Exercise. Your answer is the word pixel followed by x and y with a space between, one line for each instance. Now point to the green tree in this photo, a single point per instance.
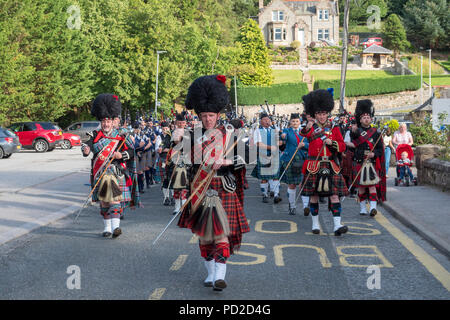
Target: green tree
pixel 427 23
pixel 395 34
pixel 396 6
pixel 254 53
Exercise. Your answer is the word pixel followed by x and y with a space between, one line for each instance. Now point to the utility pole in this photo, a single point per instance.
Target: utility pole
pixel 344 55
pixel 157 74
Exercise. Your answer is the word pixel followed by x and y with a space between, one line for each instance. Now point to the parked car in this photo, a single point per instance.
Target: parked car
pixel 83 127
pixel 371 41
pixel 9 143
pixel 40 136
pixel 70 140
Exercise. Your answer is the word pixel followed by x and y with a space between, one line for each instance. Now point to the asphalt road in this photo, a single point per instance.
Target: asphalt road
pixel 280 259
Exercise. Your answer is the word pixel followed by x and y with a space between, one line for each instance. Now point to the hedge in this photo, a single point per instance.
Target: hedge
pixel 282 93
pixel 366 87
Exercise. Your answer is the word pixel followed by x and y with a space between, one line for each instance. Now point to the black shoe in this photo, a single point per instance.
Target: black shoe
pixel 117 232
pixel 122 217
pixel 306 212
pixel 341 230
pixel 106 234
pixel 166 202
pixel 265 199
pixel 292 211
pixel 219 285
pixel 373 212
pixel 208 284
pixel 271 194
pixel 172 202
pixel 316 231
pixel 277 199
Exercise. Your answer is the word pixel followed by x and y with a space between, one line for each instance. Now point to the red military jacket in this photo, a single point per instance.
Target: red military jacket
pixel 316 136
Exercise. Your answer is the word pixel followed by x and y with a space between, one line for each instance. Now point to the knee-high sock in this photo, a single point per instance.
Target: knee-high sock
pixel 208 251
pixel 275 187
pixel 264 188
pixel 373 200
pixel 222 252
pixel 314 208
pixel 291 196
pixel 305 201
pixel 336 209
pixel 362 207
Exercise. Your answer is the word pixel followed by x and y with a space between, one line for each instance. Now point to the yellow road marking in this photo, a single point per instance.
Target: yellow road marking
pixel 431 264
pixel 157 294
pixel 260 258
pixel 194 239
pixel 278 252
pixel 179 262
pixel 377 253
pixel 292 226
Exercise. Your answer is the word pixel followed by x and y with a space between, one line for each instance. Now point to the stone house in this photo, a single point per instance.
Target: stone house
pixel 283 21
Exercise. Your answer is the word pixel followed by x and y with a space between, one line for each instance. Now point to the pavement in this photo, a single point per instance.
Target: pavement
pixel 424 209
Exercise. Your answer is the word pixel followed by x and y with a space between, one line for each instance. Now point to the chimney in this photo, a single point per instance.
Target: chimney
pixel 261 5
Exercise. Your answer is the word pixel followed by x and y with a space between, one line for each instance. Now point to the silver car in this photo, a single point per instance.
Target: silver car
pixel 83 127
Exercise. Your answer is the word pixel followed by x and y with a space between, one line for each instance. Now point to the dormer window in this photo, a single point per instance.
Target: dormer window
pixel 277 15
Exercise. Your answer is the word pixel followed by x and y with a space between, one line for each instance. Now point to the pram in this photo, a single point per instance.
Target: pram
pixel 408 176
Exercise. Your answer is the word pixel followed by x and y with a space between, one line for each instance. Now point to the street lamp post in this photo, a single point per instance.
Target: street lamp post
pixel 157 74
pixel 421 78
pixel 429 72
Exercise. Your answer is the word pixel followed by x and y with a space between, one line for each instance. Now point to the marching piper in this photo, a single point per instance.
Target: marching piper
pixel 369 164
pixel 215 212
pixel 321 171
pixel 111 182
pixel 267 168
pixel 292 161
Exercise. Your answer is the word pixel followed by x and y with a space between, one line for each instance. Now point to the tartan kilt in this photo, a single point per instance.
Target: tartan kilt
pixel 159 171
pixel 338 185
pixel 291 176
pixel 347 166
pixel 275 174
pixel 126 193
pixel 235 213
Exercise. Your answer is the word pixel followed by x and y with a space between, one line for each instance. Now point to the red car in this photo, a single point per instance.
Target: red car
pixel 40 136
pixel 70 140
pixel 371 41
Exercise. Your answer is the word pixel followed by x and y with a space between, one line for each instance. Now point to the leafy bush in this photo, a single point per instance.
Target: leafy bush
pixel 282 93
pixel 295 44
pixel 423 133
pixel 369 86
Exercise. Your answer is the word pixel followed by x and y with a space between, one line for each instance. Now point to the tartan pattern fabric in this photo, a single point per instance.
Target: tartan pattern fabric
pixel 159 169
pixel 338 186
pixel 180 194
pixel 292 176
pixel 274 174
pixel 207 251
pixel 126 192
pixel 222 252
pixel 235 214
pixel 241 184
pixel 347 166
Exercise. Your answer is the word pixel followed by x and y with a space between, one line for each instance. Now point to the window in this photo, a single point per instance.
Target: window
pixel 323 34
pixel 323 15
pixel 278 34
pixel 277 15
pixel 29 127
pixel 16 127
pixel 47 125
pixel 91 124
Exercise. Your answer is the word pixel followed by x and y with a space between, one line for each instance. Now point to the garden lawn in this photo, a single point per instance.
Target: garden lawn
pixel 287 76
pixel 443 80
pixel 351 74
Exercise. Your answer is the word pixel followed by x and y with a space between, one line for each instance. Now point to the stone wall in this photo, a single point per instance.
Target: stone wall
pixel 381 102
pixel 431 170
pixel 401 69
